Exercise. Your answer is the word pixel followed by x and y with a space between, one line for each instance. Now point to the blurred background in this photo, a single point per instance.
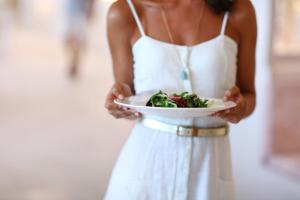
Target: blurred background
pixel 58 143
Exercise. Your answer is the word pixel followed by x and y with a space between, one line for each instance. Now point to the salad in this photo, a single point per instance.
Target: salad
pixel 183 100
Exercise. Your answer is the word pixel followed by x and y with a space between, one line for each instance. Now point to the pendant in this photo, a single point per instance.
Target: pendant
pixel 184 75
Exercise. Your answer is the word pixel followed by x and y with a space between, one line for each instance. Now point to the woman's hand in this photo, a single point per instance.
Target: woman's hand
pixel 119 90
pixel 233 115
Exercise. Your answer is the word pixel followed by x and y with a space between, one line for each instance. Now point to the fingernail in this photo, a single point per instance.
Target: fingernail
pixel 121 96
pixel 137 114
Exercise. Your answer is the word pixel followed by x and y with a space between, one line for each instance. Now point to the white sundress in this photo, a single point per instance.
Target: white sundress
pixel 156 165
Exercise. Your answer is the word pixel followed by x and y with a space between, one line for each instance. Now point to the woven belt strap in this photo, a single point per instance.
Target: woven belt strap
pixel 184 130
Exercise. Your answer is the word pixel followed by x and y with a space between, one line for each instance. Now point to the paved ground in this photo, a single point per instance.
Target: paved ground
pixel 58 143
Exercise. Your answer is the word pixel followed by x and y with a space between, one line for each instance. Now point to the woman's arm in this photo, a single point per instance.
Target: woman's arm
pixel 119 32
pixel 120 29
pixel 243 20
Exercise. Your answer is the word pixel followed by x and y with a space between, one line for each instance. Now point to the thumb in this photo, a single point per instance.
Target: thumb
pixel 125 90
pixel 232 93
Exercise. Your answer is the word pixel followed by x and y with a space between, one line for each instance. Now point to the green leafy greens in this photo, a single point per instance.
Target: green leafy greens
pixel 182 100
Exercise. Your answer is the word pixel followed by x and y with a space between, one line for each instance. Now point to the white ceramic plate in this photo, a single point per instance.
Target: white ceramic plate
pixel 137 103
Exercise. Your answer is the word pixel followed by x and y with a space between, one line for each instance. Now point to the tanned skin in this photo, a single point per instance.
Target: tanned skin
pixel 182 14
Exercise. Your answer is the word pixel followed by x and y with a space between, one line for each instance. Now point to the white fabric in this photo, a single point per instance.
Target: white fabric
pixel 158 166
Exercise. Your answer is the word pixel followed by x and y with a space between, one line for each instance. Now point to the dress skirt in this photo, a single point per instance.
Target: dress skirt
pixel 156 165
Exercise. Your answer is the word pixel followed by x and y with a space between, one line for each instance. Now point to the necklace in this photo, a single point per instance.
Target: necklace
pixel 185 75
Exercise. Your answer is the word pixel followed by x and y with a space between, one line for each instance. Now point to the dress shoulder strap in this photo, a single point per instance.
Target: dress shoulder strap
pixel 224 23
pixel 136 17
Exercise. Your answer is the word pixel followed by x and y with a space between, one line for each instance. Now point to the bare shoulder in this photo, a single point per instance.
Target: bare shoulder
pixel 243 15
pixel 119 15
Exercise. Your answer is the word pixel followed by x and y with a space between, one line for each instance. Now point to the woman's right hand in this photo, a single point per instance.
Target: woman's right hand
pixel 120 90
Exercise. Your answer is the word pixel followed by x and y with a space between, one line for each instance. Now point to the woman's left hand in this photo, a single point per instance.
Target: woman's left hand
pixel 233 115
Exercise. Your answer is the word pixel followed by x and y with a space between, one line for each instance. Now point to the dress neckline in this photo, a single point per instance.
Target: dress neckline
pixel 184 46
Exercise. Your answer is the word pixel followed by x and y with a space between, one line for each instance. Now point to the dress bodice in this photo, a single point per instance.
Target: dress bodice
pixel 212 64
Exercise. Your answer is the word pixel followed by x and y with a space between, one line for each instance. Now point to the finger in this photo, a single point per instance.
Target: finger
pixel 231 93
pixel 225 113
pixel 124 108
pixel 233 116
pixel 232 119
pixel 132 112
pixel 111 105
pixel 119 113
pixel 226 117
pixel 117 92
pixel 216 114
pixel 239 100
pixel 219 113
pixel 127 109
pixel 137 114
pixel 234 91
pixel 133 117
pixel 111 96
pixel 125 90
pixel 129 115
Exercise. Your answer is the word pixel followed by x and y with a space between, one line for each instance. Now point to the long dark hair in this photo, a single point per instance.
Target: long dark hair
pixel 219 6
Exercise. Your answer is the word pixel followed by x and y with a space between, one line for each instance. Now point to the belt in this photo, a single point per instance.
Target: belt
pixel 185 130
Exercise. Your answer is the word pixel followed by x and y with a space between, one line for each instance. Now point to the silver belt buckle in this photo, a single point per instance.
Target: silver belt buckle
pixel 186 131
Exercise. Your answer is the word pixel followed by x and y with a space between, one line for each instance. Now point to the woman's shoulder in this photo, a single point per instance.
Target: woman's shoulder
pixel 119 12
pixel 242 14
pixel 242 11
pixel 120 19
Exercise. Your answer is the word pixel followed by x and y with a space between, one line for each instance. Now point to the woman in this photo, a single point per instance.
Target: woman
pixel 152 42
